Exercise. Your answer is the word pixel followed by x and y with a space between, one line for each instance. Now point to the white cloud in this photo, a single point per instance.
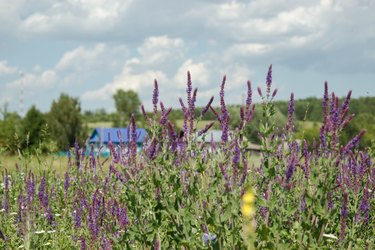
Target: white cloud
pixel 126 44
pixel 156 50
pixel 73 15
pixel 155 55
pixel 88 58
pixel 45 79
pixel 249 49
pixel 199 71
pixel 127 80
pixel 5 69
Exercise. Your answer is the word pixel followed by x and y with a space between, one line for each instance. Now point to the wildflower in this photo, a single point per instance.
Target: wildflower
pixel 205 109
pixel 248 208
pixel 66 182
pixel 189 88
pixel 274 93
pixel 83 243
pixel 157 245
pixel 6 202
pixel 344 214
pixel 325 103
pixel 289 125
pixel 235 162
pixel 249 96
pixel 164 116
pixel 305 154
pixel 224 119
pixel 155 96
pixel 330 201
pixel 207 127
pixel 192 109
pixel 41 189
pixel 30 186
pixel 208 237
pixel 354 142
pixel 323 141
pixel 269 81
pixel 226 176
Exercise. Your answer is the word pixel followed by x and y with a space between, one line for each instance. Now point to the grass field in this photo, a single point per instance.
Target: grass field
pixel 59 164
pixel 200 125
pixel 92 125
pixel 55 163
pixel 309 124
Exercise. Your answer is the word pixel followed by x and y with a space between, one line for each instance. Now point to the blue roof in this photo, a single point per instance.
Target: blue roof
pixel 104 134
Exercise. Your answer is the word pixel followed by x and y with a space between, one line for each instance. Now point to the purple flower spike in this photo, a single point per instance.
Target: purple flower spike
pixel 30 188
pixel 306 162
pixel 226 177
pixel 269 81
pixel 290 168
pixel 6 202
pixel 325 104
pixel 216 114
pixel 189 88
pixel 274 93
pixel 289 126
pixel 235 162
pixel 249 95
pixel 42 187
pixel 347 120
pixel 157 244
pixel 66 182
pixel 145 115
pixel 345 104
pixel 162 107
pixel 83 243
pixel 155 96
pixel 205 109
pixel 260 92
pixel 164 116
pixel 224 120
pixel 344 214
pixel 354 142
pixel 323 140
pixel 133 142
pixel 203 131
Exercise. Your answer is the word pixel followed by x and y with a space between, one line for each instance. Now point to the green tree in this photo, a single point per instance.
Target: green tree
pixel 127 103
pixel 65 121
pixel 32 126
pixel 9 130
pixel 361 121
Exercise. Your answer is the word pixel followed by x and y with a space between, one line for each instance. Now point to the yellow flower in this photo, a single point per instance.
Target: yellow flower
pixel 248 210
pixel 248 197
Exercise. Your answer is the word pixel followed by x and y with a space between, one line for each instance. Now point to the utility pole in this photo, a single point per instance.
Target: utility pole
pixel 21 97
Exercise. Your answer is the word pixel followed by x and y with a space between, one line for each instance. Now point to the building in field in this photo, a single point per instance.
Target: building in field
pixel 215 136
pixel 100 138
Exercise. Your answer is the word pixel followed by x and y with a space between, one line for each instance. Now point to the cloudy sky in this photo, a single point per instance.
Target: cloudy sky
pixel 90 48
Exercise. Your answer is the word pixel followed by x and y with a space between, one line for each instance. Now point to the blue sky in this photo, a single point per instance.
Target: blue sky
pixel 90 48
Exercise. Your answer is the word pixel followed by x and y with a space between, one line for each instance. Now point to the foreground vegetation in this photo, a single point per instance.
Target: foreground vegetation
pixel 181 193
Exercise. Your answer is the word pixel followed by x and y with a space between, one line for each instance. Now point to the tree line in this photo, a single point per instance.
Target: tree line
pixel 66 123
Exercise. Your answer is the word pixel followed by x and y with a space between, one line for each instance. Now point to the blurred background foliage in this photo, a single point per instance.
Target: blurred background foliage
pixel 65 122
